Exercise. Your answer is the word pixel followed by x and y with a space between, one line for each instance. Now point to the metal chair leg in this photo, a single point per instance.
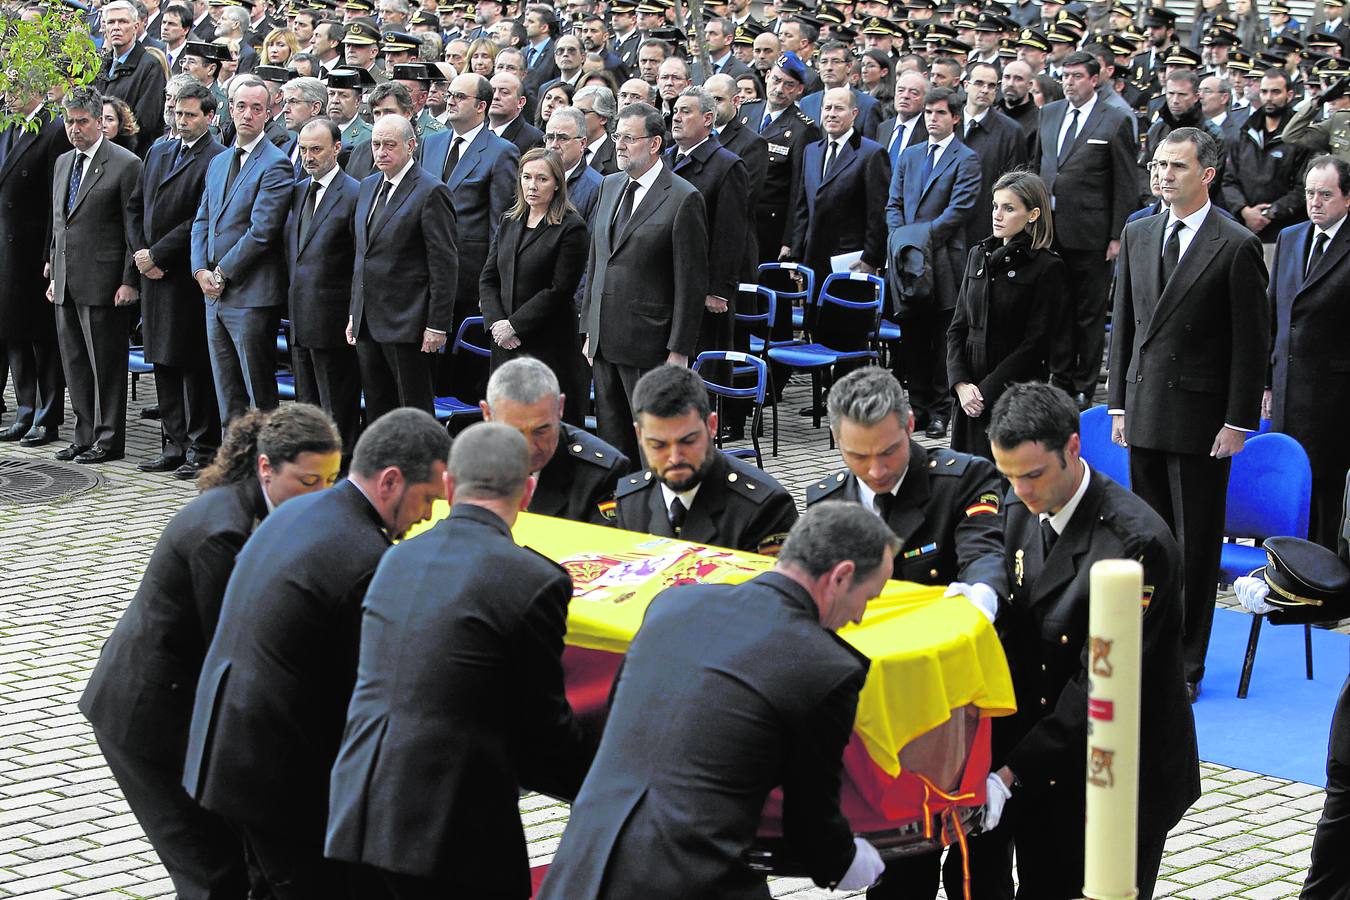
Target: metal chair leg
pixel 1307 648
pixel 1250 658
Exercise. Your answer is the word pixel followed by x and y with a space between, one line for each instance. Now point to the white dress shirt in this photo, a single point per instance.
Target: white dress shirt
pixel 1060 520
pixel 942 146
pixel 1192 222
pixel 645 182
pixel 1083 112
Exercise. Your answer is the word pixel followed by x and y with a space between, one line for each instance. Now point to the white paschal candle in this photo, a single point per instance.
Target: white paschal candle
pixel 1115 627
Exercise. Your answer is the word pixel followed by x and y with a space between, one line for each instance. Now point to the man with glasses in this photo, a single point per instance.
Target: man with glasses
pixel 597 105
pixel 834 65
pixel 569 56
pixel 566 137
pixel 635 90
pixel 996 139
pixel 645 286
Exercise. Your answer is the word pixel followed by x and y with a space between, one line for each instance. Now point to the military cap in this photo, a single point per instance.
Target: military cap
pixel 1007 48
pixel 1239 59
pixel 1134 35
pixel 946 8
pixel 362 6
pixel 1340 3
pixel 274 74
pixel 1301 573
pixel 1320 40
pixel 806 19
pixel 845 33
pixel 1224 23
pixel 1338 89
pixel 246 5
pixel 361 34
pixel 624 7
pixel 1123 9
pixel 1060 35
pixel 1119 47
pixel 989 22
pixel 1068 16
pixel 966 21
pixel 397 41
pixel 1333 66
pixel 1055 3
pixel 792 65
pixel 207 51
pixel 920 4
pixel 1266 61
pixel 996 8
pixel 352 79
pixel 651 7
pixel 1033 39
pixel 1159 17
pixel 832 15
pixel 1284 44
pixel 949 44
pixel 440 70
pixel 937 29
pixel 426 19
pixel 1177 55
pixel 746 33
pixel 1279 6
pixel 670 34
pixel 883 27
pixel 1218 37
pixel 413 72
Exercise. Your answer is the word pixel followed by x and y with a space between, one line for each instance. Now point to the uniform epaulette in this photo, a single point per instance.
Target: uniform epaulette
pixel 631 484
pixel 819 490
pixel 947 462
pixel 748 484
pixel 590 451
pixel 804 117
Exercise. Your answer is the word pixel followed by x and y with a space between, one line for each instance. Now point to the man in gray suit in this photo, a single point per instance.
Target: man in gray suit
pixel 237 255
pixel 93 277
pixel 647 276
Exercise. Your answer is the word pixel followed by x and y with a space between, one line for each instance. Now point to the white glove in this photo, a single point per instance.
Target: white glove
pixel 982 595
pixel 1251 593
pixel 996 793
pixel 865 869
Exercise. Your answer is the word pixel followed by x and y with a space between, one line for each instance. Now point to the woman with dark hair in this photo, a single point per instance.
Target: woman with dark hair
pixel 558 95
pixel 1252 26
pixel 119 123
pixel 749 87
pixel 1045 89
pixel 1007 312
pixel 534 264
pixel 139 699
pixel 876 76
pixel 1202 19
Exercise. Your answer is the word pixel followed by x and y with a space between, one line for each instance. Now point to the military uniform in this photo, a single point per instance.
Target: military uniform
pixel 1331 135
pixel 737 506
pixel 787 137
pixel 628 50
pixel 428 124
pixel 578 482
pixel 947 513
pixel 356 134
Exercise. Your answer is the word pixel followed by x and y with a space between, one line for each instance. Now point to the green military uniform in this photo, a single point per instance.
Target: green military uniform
pixel 428 124
pixel 578 482
pixel 1331 135
pixel 357 132
pixel 737 506
pixel 947 512
pixel 224 122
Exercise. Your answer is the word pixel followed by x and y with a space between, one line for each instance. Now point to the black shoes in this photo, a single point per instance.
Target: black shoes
pixel 97 454
pixel 15 432
pixel 937 428
pixel 70 452
pixel 149 412
pixel 188 470
pixel 37 437
pixel 165 462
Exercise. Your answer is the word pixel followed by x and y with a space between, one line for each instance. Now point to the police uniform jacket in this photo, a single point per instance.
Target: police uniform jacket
pixel 946 513
pixel 1044 628
pixel 787 137
pixel 578 482
pixel 738 506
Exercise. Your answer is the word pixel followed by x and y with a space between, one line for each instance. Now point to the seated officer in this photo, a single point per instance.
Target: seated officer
pixel 945 508
pixel 576 470
pixel 690 489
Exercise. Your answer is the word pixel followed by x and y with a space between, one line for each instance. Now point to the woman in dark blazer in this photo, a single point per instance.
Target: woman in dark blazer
pixel 1009 310
pixel 534 265
pixel 139 698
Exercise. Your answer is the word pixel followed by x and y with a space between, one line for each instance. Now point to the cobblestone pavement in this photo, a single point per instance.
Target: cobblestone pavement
pixel 68 569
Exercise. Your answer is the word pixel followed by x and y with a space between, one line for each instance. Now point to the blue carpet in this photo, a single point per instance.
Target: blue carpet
pixel 1281 728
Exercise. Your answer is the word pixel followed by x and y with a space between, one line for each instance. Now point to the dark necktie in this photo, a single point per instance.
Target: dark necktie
pixel 452 158
pixel 1069 136
pixel 829 159
pixel 677 514
pixel 679 157
pixel 884 503
pixel 1319 247
pixel 76 176
pixel 377 210
pixel 928 164
pixel 896 145
pixel 1048 537
pixel 1172 252
pixel 625 206
pixel 236 163
pixel 307 210
pixel 764 122
pixel 534 57
pixel 970 123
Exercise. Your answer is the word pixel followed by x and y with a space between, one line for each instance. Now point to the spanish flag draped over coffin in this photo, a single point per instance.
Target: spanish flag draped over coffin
pixel 921 737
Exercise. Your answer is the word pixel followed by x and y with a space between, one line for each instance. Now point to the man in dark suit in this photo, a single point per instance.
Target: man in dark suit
pixel 174 329
pixel 1192 289
pixel 425 788
pixel 1061 519
pixel 93 277
pixel 320 256
pixel 646 279
pixel 727 692
pixel 598 105
pixel 27 321
pixel 403 286
pixel 906 128
pixel 935 185
pixel 276 681
pixel 541 34
pixel 691 490
pixel 838 207
pixel 834 63
pixel 566 136
pixel 131 73
pixel 506 114
pixel 752 149
pixel 576 471
pixel 1087 160
pixel 1309 381
pixel 721 178
pixel 238 259
pixel 786 131
pixel 997 141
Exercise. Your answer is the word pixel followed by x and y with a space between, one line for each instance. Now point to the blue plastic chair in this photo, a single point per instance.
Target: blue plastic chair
pixel 742 364
pixel 782 278
pixel 285 386
pixel 448 409
pixel 1112 460
pixel 137 366
pixel 842 328
pixel 1269 489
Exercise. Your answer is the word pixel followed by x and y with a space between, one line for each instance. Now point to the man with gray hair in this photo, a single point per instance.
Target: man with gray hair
pixel 598 105
pixel 576 471
pixel 424 789
pixel 233 24
pixel 303 99
pixel 727 692
pixel 566 136
pixel 129 72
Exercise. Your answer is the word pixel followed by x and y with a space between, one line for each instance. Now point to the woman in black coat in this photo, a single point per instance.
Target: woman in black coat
pixel 1008 312
pixel 534 265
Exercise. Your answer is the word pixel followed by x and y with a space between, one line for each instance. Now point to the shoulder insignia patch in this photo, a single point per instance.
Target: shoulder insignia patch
pixel 608 509
pixel 771 544
pixel 986 505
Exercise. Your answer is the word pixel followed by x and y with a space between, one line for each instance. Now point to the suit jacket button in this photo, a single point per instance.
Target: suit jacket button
pixel 932 573
pixel 1042 667
pixel 1063 638
pixel 1043 701
pixel 1171 384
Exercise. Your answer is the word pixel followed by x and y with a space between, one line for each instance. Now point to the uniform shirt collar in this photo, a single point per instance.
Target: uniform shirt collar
pixel 1060 520
pixel 867 497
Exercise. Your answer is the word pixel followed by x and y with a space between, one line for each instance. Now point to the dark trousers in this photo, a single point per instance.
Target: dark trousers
pixel 614 384
pixel 291 866
pixel 94 350
pixel 916 877
pixel 243 347
pixel 377 884
pixel 330 377
pixel 1324 521
pixel 1189 491
pixel 1329 871
pixel 1077 362
pixel 202 853
pixel 39 383
pixel 188 410
pixel 394 375
pixel 922 363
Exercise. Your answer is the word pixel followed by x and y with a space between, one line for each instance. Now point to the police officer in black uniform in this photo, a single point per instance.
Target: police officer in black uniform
pixel 576 470
pixel 946 509
pixel 787 130
pixel 691 490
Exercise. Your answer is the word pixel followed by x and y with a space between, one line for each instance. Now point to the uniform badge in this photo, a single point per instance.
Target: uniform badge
pixel 986 505
pixel 771 544
pixel 1019 565
pixel 608 509
pixel 1147 597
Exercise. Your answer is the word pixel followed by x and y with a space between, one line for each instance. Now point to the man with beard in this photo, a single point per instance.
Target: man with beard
pixel 1017 103
pixel 691 490
pixel 1261 183
pixel 1181 109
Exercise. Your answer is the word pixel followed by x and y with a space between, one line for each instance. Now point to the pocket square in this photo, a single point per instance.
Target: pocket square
pixel 1096 141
